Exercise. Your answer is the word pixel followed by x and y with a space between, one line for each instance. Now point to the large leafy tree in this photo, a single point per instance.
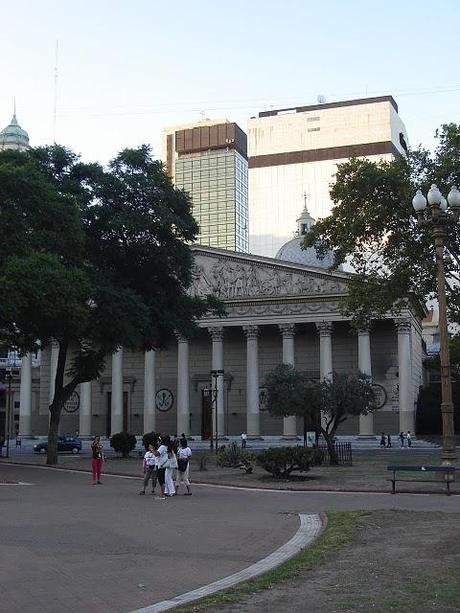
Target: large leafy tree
pixel 92 259
pixel 372 227
pixel 325 405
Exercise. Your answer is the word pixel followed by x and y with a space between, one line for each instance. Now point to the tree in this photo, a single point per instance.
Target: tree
pixel 346 395
pixel 325 404
pixel 372 227
pixel 289 393
pixel 92 259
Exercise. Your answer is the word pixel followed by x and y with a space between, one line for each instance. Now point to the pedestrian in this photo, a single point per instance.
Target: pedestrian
pixel 96 460
pixel 243 440
pixel 162 461
pixel 388 441
pixel 171 467
pixel 383 440
pixel 409 439
pixel 150 468
pixel 183 466
pixel 401 438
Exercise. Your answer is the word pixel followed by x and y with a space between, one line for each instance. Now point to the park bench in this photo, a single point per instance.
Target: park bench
pixel 449 471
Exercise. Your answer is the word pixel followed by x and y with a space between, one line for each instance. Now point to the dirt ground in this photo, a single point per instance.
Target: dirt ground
pixel 368 473
pixel 398 561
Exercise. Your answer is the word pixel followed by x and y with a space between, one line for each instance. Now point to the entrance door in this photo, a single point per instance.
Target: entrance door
pixel 206 416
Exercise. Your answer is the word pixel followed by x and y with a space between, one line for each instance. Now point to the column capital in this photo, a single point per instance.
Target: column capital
pixel 251 331
pixel 403 325
pixel 217 333
pixel 287 330
pixel 364 329
pixel 324 328
pixel 181 338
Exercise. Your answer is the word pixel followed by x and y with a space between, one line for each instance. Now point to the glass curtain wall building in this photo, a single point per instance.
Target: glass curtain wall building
pixel 209 162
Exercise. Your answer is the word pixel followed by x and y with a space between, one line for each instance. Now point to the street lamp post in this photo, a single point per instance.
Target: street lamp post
pixel 214 393
pixel 437 219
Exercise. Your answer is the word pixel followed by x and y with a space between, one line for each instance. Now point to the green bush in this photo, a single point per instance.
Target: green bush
pixel 281 462
pixel 123 442
pixel 233 456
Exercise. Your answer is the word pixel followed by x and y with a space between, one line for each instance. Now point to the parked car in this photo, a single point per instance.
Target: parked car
pixel 65 443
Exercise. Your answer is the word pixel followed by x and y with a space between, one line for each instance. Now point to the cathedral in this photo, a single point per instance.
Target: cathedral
pixel 279 310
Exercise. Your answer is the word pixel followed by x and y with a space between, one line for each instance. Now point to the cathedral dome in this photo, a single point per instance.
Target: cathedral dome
pixel 14 137
pixel 293 252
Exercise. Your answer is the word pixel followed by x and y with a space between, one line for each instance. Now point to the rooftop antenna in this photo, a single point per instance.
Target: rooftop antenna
pixel 56 56
pixel 202 115
pixel 14 107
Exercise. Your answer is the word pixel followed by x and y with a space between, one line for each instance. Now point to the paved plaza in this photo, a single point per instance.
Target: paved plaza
pixel 67 546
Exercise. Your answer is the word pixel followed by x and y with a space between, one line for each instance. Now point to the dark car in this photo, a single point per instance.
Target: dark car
pixel 65 443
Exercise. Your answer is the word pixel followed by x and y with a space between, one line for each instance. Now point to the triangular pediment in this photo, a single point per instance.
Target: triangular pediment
pixel 237 276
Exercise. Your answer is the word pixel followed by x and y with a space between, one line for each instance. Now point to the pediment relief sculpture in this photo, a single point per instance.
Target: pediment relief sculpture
pixel 230 280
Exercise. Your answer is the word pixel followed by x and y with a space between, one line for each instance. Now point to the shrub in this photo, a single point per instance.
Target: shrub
pixel 149 437
pixel 281 462
pixel 233 457
pixel 123 442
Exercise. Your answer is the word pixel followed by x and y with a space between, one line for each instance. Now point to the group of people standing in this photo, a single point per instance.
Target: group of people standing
pixel 167 463
pixel 385 439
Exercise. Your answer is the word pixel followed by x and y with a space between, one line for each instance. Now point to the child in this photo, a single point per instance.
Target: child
pixel 150 468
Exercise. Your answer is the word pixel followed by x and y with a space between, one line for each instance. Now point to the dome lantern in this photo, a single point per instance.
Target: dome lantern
pixel 13 136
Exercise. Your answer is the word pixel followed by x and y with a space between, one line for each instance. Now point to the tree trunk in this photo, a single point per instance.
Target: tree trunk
pixel 333 458
pixel 305 431
pixel 53 430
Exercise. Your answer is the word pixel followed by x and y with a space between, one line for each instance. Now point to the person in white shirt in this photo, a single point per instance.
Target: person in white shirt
pixel 150 468
pixel 171 467
pixel 162 462
pixel 244 439
pixel 184 455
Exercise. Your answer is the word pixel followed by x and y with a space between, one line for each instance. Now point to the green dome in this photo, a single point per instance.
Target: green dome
pixel 13 136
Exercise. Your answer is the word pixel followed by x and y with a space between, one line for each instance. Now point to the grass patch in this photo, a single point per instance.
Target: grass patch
pixel 339 532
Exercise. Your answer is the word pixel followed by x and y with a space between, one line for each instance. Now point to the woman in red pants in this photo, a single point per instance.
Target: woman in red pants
pixel 96 461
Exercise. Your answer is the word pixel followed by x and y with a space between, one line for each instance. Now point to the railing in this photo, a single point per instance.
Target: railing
pixel 343 452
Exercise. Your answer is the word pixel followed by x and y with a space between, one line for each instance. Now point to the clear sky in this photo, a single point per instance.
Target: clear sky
pixel 128 68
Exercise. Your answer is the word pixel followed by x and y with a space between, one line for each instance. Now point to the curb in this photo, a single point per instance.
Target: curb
pixel 310 527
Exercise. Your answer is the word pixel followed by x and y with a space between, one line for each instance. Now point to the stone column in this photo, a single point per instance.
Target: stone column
pixel 366 422
pixel 325 350
pixel 325 355
pixel 183 386
pixel 406 408
pixel 288 333
pixel 217 363
pixel 84 425
pixel 252 381
pixel 149 391
pixel 25 397
pixel 54 355
pixel 117 392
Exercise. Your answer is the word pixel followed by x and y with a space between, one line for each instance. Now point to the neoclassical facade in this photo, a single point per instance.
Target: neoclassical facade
pixel 277 311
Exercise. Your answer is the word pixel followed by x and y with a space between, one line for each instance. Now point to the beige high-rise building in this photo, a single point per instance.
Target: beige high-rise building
pixel 294 152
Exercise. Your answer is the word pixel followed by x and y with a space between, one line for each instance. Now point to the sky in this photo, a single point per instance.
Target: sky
pixel 127 69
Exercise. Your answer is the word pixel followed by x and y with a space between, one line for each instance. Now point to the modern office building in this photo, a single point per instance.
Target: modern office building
pixel 295 151
pixel 209 161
